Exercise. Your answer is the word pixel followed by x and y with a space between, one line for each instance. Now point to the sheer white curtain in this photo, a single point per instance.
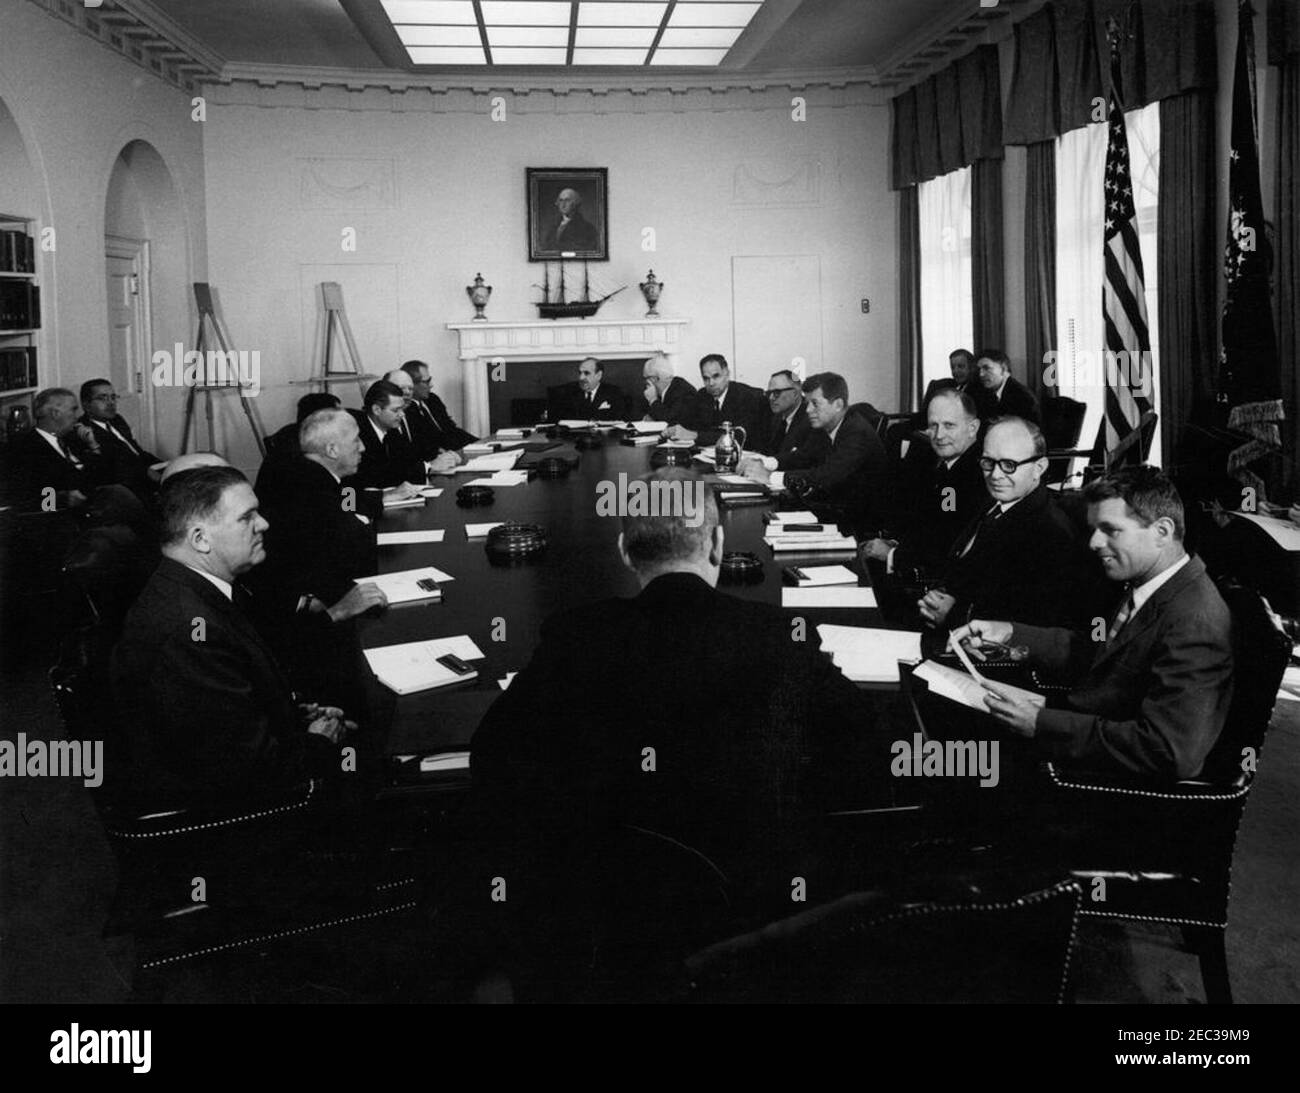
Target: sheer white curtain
pixel 1080 211
pixel 947 317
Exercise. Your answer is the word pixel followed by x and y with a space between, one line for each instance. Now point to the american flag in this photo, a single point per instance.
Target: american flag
pixel 1123 291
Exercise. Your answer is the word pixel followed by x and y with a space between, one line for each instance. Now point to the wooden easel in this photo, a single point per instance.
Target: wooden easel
pixel 203 298
pixel 334 329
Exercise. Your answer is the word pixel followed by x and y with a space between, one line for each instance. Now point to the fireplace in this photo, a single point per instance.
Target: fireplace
pixel 497 353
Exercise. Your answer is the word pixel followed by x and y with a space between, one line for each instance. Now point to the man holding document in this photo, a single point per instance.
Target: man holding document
pixel 1156 685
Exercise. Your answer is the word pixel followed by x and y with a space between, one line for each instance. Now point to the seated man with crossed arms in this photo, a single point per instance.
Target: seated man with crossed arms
pixel 1154 693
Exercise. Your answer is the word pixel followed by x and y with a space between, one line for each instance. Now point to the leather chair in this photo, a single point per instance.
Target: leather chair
pixel 968 939
pixel 1062 425
pixel 109 567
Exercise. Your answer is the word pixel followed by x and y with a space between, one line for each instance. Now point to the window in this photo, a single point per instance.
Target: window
pixel 947 310
pixel 1080 212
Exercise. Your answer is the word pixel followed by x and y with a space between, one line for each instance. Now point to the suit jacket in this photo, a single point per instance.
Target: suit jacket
pixel 848 472
pixel 450 436
pixel 1155 697
pixel 208 713
pixel 385 463
pixel 742 748
pixel 934 507
pixel 673 407
pixel 579 235
pixel 1016 401
pixel 126 464
pixel 1026 566
pixel 796 435
pixel 569 402
pixel 741 405
pixel 34 466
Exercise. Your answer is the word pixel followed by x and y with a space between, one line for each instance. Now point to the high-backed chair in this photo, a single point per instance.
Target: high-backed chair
pixel 1062 426
pixel 967 939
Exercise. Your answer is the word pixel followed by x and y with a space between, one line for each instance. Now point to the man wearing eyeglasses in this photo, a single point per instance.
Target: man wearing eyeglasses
pixel 1020 558
pixel 124 460
pixel 788 427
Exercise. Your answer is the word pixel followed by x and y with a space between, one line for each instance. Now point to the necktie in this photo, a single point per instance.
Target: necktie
pixel 987 519
pixel 131 447
pixel 67 454
pixel 1122 616
pixel 778 434
pixel 589 398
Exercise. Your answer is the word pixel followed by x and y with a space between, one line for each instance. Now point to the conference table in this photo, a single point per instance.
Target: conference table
pixel 502 607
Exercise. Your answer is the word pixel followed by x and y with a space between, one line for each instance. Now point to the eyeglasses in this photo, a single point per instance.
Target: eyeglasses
pixel 103 398
pixel 779 391
pixel 1006 466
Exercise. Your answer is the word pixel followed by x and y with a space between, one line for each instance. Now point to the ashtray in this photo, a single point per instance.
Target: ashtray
pixel 468 497
pixel 553 466
pixel 740 567
pixel 512 542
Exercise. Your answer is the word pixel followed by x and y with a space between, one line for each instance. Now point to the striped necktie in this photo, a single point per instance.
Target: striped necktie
pixel 1125 612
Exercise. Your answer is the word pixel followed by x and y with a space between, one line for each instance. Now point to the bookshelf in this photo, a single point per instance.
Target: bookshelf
pixel 20 315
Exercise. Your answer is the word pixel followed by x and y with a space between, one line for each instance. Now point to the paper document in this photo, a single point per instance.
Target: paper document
pixel 803 516
pixel 479 531
pixel 738 480
pixel 430 491
pixel 835 596
pixel 966 689
pixel 810 542
pixel 394 502
pixel 401 538
pixel 502 478
pixel 655 427
pixel 512 434
pixel 1282 532
pixel 866 654
pixel 491 447
pixel 447 760
pixel 814 576
pixel 506 680
pixel 405 587
pixel 413 666
pixel 578 423
pixel 705 455
pixel 497 461
pixel 776 481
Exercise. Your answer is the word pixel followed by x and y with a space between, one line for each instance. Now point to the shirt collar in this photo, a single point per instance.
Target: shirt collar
pixel 374 425
pixel 50 439
pixel 224 587
pixel 832 433
pixel 1145 591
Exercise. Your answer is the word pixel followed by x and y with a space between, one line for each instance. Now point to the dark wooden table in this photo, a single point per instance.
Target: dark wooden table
pixel 580 565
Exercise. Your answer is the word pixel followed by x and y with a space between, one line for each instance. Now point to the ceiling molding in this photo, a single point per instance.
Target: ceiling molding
pixel 139 32
pixel 770 18
pixel 948 36
pixel 522 80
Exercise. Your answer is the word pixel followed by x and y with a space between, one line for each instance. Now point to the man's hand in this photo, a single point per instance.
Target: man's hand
pixel 680 432
pixel 979 632
pixel 1017 714
pixel 358 600
pixel 753 468
pixel 402 492
pixel 877 549
pixel 332 728
pixel 650 394
pixel 935 605
pixel 86 438
pixel 443 463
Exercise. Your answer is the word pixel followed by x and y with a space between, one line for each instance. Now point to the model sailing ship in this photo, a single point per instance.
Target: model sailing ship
pixel 563 308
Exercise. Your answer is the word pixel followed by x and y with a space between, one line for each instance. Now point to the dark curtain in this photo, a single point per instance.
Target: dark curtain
pixel 1033 112
pixel 1188 260
pixel 909 298
pixel 988 286
pixel 1284 51
pixel 1040 263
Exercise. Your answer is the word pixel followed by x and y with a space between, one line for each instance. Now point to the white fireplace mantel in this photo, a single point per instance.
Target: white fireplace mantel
pixel 486 343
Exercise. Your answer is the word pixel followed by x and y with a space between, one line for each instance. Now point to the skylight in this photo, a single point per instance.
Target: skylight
pixel 569 32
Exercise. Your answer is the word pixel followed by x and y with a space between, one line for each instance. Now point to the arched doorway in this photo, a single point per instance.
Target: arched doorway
pixel 23 365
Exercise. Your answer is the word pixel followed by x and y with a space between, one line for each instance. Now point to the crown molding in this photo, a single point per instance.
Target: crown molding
pixel 143 35
pixel 948 36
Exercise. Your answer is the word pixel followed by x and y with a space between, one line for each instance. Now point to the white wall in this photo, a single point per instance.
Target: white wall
pixel 437 196
pixel 76 105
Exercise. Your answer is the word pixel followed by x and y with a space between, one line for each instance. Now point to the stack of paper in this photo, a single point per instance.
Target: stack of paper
pixel 430 491
pixel 803 516
pixel 502 478
pixel 813 576
pixel 643 439
pixel 835 596
pixel 444 761
pixel 512 434
pixel 491 447
pixel 404 538
pixel 828 538
pixel 393 501
pixel 1282 532
pixel 479 531
pixel 487 464
pixel 653 428
pixel 869 655
pixel 579 423
pixel 409 585
pixel 777 482
pixel 414 666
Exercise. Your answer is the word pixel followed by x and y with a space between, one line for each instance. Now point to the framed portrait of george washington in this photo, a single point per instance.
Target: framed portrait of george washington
pixel 568 213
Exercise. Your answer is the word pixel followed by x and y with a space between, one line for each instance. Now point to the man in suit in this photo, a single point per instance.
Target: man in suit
pixel 571 231
pixel 721 399
pixel 666 397
pixel 388 461
pixel 316 546
pixel 1154 694
pixel 1020 558
pixel 210 717
pixel 418 430
pixel 942 496
pixel 284 441
pixel 788 425
pixel 961 363
pixel 125 461
pixel 733 762
pixel 998 393
pixel 430 409
pixel 590 398
pixel 59 463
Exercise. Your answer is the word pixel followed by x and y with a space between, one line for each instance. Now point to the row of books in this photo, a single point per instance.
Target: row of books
pixel 17 252
pixel 20 305
pixel 17 368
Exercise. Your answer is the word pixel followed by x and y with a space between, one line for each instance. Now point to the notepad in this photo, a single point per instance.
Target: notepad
pixel 413 666
pixel 409 585
pixel 430 491
pixel 810 543
pixel 803 516
pixel 478 531
pixel 654 427
pixel 837 596
pixel 814 576
pixel 402 538
pixel 502 479
pixel 967 689
pixel 867 654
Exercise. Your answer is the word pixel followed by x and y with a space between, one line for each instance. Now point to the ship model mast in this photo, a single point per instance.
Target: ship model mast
pixel 562 308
